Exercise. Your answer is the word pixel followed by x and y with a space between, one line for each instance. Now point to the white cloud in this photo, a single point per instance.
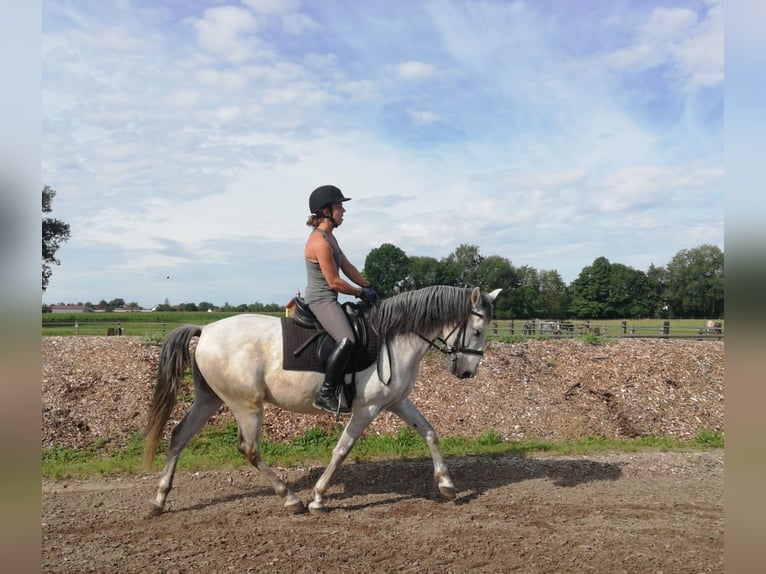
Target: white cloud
pixel 414 70
pixel 299 23
pixel 228 32
pixel 641 186
pixel 701 56
pixel 226 79
pixel 183 98
pixel 669 24
pixel 423 117
pixel 272 6
pixel 545 180
pixel 228 114
pixel 677 37
pixel 287 12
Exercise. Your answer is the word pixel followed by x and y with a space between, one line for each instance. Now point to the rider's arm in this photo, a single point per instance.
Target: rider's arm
pixel 323 252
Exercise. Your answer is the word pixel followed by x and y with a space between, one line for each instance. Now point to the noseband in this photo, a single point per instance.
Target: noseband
pixel 446 349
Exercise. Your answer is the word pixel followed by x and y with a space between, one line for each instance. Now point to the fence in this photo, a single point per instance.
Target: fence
pixel 499 329
pixel 108 328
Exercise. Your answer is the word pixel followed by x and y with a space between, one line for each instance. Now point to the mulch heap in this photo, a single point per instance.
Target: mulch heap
pixel 96 391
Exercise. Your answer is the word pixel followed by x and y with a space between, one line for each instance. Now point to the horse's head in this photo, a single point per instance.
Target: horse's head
pixel 466 341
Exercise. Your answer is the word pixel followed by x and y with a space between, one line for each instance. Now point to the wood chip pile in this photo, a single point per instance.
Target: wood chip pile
pixel 96 391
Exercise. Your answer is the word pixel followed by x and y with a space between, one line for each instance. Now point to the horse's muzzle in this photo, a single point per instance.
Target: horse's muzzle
pixel 466 375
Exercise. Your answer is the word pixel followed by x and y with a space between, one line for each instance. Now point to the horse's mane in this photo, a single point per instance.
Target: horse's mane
pixel 422 310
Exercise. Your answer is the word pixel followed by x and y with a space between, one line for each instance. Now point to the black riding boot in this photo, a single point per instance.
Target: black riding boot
pixel 327 399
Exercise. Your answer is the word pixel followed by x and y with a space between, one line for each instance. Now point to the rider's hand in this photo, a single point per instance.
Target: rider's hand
pixel 369 295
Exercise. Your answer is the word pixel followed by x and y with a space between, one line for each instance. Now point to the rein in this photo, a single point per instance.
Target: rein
pixel 446 349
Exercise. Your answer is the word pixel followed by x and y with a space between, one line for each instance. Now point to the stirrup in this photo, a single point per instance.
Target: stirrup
pixel 341 410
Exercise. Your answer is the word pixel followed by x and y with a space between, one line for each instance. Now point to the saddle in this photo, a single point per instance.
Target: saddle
pixel 306 345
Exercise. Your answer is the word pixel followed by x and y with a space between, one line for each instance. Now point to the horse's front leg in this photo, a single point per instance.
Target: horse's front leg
pixel 409 413
pixel 359 421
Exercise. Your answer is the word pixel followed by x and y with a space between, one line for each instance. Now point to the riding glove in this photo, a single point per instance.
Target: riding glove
pixel 369 295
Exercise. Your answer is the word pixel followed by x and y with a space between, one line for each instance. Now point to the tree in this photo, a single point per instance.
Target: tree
pixel 495 272
pixel 607 290
pixel 387 267
pixel 424 272
pixel 631 294
pixel 695 282
pixel 553 300
pixel 55 232
pixel 590 291
pixel 524 299
pixel 461 267
pixel 658 282
pixel 164 306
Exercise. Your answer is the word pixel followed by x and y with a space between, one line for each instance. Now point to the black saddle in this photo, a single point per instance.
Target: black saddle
pixel 306 318
pixel 306 345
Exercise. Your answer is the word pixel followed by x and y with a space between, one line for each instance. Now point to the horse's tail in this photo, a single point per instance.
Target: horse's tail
pixel 175 358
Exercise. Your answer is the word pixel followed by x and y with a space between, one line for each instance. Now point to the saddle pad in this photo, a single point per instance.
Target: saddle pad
pixel 294 336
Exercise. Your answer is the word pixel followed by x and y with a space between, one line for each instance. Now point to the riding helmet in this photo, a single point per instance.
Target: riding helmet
pixel 323 196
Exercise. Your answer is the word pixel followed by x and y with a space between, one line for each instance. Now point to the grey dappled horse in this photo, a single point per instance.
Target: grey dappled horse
pixel 238 361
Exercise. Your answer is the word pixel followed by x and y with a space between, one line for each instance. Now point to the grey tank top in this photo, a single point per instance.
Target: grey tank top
pixel 317 288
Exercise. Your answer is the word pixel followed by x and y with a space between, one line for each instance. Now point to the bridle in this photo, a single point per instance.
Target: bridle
pixel 446 349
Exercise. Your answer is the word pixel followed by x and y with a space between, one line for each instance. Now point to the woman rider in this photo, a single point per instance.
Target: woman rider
pixel 324 262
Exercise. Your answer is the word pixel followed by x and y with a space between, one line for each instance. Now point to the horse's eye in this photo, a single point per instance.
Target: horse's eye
pixel 476 332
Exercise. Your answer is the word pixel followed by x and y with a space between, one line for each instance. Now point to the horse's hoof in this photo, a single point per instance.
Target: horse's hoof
pixel 154 511
pixel 317 508
pixel 447 492
pixel 295 508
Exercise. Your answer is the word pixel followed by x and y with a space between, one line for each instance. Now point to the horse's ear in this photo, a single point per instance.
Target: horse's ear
pixel 493 295
pixel 475 296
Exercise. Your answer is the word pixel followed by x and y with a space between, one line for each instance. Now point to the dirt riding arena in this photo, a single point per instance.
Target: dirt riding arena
pixel 611 512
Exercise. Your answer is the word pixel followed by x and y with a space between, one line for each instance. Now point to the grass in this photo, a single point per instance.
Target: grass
pixel 154 326
pixel 215 449
pixel 151 326
pixel 604 330
pixel 590 338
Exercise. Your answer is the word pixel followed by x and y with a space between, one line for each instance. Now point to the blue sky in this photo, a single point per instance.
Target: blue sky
pixel 184 137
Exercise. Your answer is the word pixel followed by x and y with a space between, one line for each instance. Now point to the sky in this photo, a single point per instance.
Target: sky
pixel 183 138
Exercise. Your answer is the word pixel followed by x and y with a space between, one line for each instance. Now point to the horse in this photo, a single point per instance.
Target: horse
pixel 238 361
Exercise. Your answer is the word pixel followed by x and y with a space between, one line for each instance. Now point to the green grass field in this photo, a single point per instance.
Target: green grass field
pixel 687 328
pixel 215 448
pixel 152 325
pixel 155 325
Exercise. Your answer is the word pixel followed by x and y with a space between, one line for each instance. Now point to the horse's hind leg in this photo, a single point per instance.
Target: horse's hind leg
pixel 205 405
pixel 249 434
pixel 409 413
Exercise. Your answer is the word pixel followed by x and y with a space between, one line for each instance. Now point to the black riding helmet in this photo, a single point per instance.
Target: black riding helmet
pixel 323 196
